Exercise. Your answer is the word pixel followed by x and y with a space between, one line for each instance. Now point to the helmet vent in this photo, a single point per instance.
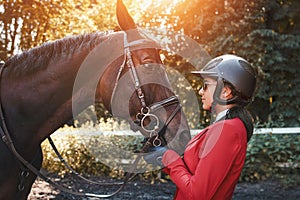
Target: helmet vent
pixel 247 67
pixel 212 64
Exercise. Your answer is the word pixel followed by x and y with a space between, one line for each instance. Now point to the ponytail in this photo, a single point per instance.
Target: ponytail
pixel 245 116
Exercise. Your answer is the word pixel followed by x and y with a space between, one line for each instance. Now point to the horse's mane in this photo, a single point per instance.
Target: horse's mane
pixel 38 58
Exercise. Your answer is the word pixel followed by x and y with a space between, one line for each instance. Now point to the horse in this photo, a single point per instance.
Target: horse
pixel 43 88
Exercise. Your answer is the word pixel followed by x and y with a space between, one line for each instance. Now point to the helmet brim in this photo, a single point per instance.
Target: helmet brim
pixel 205 73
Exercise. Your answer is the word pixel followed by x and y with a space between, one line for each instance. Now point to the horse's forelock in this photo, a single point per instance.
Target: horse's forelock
pixel 35 59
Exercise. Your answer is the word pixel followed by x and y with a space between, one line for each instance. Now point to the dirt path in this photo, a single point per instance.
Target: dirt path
pixel 144 190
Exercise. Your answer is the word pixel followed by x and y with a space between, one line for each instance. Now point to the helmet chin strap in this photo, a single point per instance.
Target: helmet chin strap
pixel 217 93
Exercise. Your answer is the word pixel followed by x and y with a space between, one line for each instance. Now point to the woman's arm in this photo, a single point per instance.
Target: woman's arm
pixel 216 158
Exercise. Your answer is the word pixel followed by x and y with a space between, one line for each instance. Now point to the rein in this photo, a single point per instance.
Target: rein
pixel 145 113
pixel 5 136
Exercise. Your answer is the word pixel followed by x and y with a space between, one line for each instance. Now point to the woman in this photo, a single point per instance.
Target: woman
pixel 214 158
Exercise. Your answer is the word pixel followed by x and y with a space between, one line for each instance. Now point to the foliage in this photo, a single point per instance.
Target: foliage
pixel 92 153
pixel 79 153
pixel 281 67
pixel 26 24
pixel 265 32
pixel 271 48
pixel 270 155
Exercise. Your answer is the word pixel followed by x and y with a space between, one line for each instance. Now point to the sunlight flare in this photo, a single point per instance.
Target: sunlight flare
pixel 145 4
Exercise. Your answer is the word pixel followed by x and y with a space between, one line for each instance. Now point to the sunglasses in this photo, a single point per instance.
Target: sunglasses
pixel 205 85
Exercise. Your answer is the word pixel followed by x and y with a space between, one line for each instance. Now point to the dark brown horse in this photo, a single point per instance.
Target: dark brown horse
pixel 45 87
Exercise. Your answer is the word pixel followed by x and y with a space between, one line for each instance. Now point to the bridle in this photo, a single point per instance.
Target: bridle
pixel 146 113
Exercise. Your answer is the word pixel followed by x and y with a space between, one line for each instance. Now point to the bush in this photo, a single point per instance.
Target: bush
pixel 97 154
pixel 269 155
pixel 90 154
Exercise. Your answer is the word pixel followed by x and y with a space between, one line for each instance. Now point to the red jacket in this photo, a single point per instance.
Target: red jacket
pixel 212 162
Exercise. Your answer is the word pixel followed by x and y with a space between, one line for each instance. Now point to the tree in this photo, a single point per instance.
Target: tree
pixel 278 42
pixel 264 32
pixel 26 24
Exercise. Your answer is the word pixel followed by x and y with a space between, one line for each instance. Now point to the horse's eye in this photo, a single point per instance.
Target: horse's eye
pixel 147 61
pixel 147 65
pixel 150 66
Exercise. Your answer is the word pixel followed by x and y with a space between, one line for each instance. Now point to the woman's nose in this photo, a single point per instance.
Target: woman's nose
pixel 201 91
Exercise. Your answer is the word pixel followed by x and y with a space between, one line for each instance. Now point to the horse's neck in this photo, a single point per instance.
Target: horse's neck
pixel 34 102
pixel 42 102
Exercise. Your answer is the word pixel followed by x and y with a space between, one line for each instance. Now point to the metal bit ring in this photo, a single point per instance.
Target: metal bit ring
pixel 149 116
pixel 156 142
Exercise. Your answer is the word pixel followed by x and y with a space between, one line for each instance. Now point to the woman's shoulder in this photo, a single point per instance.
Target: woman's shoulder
pixel 228 123
pixel 229 127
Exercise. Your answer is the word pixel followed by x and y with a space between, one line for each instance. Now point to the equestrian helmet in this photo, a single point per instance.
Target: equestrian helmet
pixel 234 70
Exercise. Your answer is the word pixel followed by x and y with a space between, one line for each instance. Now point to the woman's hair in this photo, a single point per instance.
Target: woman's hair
pixel 241 99
pixel 245 116
pixel 240 111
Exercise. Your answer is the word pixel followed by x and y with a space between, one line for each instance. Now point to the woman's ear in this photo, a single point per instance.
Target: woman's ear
pixel 226 93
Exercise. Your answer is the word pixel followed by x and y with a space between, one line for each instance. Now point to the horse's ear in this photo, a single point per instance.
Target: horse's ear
pixel 124 19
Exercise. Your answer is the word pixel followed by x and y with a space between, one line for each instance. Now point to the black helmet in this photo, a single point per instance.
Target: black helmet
pixel 234 70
